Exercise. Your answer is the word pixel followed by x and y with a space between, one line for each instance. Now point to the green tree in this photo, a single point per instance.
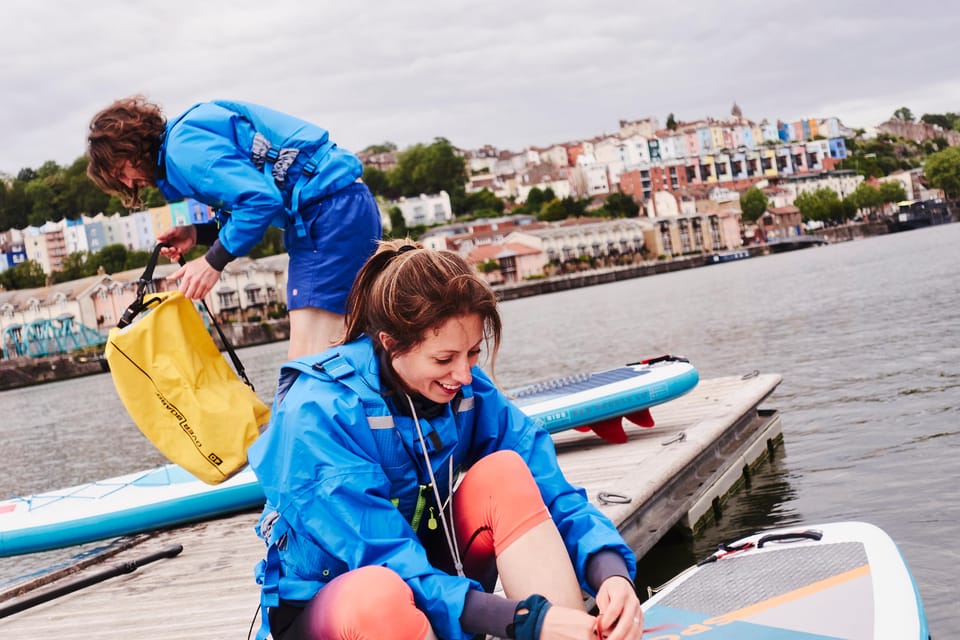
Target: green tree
pixel 271 245
pixel 620 205
pixel 903 113
pixel 941 120
pixel 866 196
pixel 753 202
pixel 74 267
pixel 398 225
pixel 822 204
pixel 384 147
pixel 943 171
pixel 488 266
pixel 483 203
pixel 113 258
pixel 892 192
pixel 561 209
pixel 378 182
pixel 430 169
pixel 26 275
pixel 671 123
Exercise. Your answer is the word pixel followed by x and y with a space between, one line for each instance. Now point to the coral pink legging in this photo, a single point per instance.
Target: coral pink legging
pixel 497 502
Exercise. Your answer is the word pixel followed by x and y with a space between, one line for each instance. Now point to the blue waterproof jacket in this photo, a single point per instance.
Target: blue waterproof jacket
pixel 253 165
pixel 344 491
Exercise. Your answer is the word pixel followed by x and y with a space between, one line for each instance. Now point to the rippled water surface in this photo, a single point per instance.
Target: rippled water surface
pixel 865 335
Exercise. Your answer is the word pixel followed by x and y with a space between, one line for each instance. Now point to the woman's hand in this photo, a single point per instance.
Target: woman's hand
pixel 197 278
pixel 564 623
pixel 181 239
pixel 620 616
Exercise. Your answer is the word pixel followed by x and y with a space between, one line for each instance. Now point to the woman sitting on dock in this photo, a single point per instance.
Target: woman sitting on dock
pixel 401 482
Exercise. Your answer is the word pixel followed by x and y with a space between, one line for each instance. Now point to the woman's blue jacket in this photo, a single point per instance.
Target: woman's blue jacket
pixel 254 166
pixel 343 478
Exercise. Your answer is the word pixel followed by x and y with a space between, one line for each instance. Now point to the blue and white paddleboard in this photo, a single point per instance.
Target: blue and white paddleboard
pixel 841 580
pixel 168 495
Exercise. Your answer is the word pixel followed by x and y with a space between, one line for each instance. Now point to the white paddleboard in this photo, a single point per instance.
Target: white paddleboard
pixel 841 580
pixel 168 495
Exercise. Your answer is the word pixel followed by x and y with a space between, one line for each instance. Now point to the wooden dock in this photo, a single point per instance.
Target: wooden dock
pixel 673 474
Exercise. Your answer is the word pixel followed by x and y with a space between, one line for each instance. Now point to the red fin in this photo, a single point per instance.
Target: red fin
pixel 610 430
pixel 641 418
pixel 584 429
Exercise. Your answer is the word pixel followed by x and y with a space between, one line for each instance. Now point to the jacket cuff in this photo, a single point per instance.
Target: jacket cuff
pixel 605 564
pixel 218 257
pixel 487 613
pixel 207 233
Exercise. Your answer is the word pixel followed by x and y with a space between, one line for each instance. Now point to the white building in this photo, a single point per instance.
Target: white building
pixel 424 210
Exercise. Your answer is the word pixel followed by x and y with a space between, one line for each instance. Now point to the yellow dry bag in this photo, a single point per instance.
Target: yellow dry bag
pixel 179 389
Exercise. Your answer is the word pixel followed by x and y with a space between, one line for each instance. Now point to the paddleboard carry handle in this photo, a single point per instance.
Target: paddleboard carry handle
pixel 664 358
pixel 791 536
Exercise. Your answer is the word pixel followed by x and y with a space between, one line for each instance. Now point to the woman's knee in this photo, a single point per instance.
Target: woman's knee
pixel 369 602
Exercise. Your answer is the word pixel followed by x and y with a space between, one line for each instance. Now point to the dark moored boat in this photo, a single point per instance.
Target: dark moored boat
pixel 919 213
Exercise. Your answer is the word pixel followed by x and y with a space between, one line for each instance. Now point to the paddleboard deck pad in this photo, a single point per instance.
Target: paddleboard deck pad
pixel 840 580
pixel 168 495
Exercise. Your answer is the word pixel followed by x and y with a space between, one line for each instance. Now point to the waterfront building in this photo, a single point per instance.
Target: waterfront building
pixel 507 263
pixel 780 223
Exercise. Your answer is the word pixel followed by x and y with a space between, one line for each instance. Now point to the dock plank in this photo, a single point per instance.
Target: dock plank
pixel 207 592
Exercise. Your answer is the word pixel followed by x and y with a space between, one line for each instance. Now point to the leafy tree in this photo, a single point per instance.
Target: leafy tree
pixel 552 211
pixel 483 202
pixel 903 113
pixel 384 147
pixel 26 275
pixel 430 169
pixel 536 198
pixel 943 171
pixel 271 245
pixel 620 205
pixel 378 182
pixel 866 196
pixel 822 204
pixel 944 120
pixel 16 210
pixel 113 258
pixel 488 266
pixel 74 267
pixel 41 197
pixel 753 202
pixel 671 123
pixel 136 259
pixel 892 192
pixel 561 209
pixel 398 225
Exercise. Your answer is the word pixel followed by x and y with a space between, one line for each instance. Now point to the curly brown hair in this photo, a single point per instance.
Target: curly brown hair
pixel 406 290
pixel 129 130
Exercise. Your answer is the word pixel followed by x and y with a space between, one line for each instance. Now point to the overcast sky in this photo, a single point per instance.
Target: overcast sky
pixel 511 74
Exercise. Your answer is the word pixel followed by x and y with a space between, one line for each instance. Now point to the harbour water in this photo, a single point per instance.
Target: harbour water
pixel 864 333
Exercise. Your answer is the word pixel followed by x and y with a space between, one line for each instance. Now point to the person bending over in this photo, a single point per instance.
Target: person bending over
pixel 255 167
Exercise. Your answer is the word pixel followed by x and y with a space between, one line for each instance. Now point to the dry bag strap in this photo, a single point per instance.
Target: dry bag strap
pixel 226 345
pixel 138 305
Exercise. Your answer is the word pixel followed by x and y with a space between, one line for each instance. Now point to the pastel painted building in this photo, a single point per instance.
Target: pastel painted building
pixel 515 262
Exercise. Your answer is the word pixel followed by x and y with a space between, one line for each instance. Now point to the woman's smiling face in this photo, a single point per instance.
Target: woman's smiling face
pixel 438 366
